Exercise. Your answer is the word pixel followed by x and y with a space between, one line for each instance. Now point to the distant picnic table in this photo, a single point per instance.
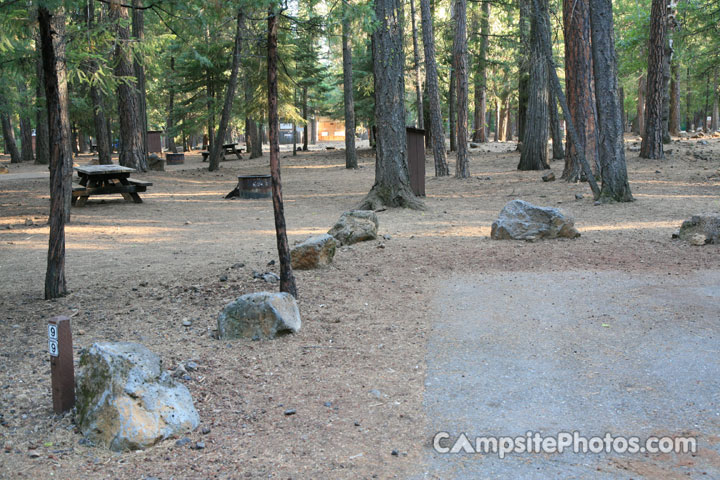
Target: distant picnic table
pixel 228 149
pixel 106 180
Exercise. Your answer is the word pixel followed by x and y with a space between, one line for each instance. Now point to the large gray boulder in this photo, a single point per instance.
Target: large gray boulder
pixel 126 401
pixel 261 315
pixel 314 252
pixel 355 226
pixel 706 225
pixel 520 220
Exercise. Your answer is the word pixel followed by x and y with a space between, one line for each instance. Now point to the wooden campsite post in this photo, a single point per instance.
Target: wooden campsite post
pixel 62 370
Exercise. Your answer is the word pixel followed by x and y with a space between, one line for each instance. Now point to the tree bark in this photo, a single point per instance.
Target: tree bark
pixel 26 149
pixel 60 188
pixel 652 141
pixel 132 148
pixel 462 164
pixel 42 136
pixel 287 280
pixel 543 22
pixel 138 29
pixel 674 121
pixel 580 88
pixel 306 118
pixel 9 136
pixel 350 153
pixel 613 170
pixel 556 132
pixel 437 132
pixel 102 137
pixel 524 25
pixel 533 153
pixel 416 58
pixel 392 179
pixel 480 133
pixel 688 101
pixel 452 105
pixel 639 125
pixel 216 153
pixel 497 120
pixel 715 109
pixel 170 127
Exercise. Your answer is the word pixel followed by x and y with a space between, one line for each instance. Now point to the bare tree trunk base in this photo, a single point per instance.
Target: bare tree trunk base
pixel 380 197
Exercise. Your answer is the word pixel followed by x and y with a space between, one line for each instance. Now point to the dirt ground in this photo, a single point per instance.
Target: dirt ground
pixel 355 372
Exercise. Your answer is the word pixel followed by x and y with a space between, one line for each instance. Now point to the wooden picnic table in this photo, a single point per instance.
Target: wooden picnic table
pixel 107 180
pixel 228 149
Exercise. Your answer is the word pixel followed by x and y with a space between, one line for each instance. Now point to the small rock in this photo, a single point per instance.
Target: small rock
pixel 387 237
pixel 697 239
pixel 314 252
pixel 658 171
pixel 182 442
pixel 34 454
pixel 271 263
pixel 261 315
pixel 376 393
pixel 188 222
pixel 357 424
pixel 597 202
pixel 205 430
pixel 474 145
pixel 290 411
pixel 29 222
pixel 703 142
pixel 394 453
pixel 238 265
pixel 223 278
pixel 199 446
pixel 327 404
pixel 187 322
pixel 579 196
pixel 548 177
pixel 520 220
pixel 355 226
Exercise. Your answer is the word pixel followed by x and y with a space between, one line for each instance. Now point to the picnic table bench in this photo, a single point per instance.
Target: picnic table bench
pixel 228 149
pixel 106 180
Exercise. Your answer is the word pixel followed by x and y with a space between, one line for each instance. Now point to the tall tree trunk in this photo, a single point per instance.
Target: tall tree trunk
pixel 639 125
pixel 26 149
pixel 533 154
pixel 9 135
pixel 674 121
pixel 580 88
pixel 306 118
pixel 462 165
pixel 546 50
pixel 479 135
pixel 497 120
pixel 210 97
pixel 452 105
pixel 350 153
pixel 255 140
pixel 688 101
pixel 102 137
pixel 508 120
pixel 613 169
pixel 42 136
pixel 652 141
pixel 715 110
pixel 217 149
pixel 170 127
pixel 60 158
pixel 392 178
pixel 132 148
pixel 437 132
pixel 556 132
pixel 138 30
pixel 416 58
pixel 287 280
pixel 524 26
